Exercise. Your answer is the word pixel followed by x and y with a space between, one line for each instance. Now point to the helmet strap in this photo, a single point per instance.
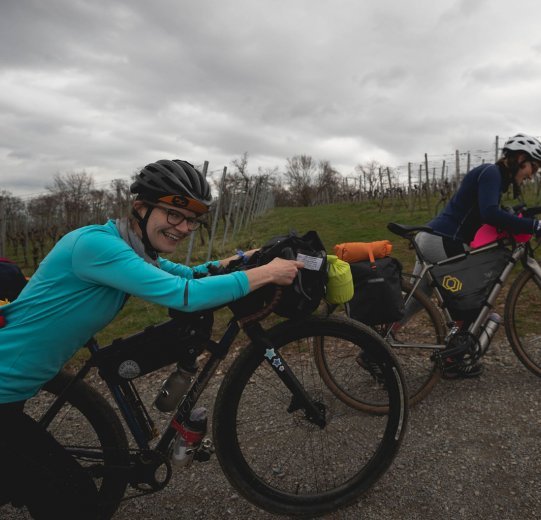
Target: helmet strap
pixel 142 223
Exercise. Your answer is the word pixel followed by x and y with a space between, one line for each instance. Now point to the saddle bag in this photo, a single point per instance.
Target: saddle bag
pixel 378 296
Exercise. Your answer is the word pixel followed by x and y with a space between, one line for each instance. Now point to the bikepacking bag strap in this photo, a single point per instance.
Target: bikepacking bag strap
pixel 378 293
pixel 358 251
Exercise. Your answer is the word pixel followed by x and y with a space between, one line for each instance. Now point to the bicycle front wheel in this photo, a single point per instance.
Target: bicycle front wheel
pixel 274 455
pixel 522 320
pixel 414 341
pixel 89 429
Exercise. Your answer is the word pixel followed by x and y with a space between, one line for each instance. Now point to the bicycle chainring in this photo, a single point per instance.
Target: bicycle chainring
pixel 462 348
pixel 151 471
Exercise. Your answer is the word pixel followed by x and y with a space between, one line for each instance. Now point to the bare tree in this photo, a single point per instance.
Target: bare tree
pixel 240 166
pixel 369 177
pixel 45 210
pixel 328 182
pixel 73 191
pixel 101 204
pixel 122 196
pixel 300 173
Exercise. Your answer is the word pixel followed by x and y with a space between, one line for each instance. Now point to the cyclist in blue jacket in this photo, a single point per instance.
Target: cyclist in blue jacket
pixel 477 202
pixel 77 290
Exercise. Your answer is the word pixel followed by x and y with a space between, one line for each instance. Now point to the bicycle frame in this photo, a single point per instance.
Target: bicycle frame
pixel 520 251
pixel 135 414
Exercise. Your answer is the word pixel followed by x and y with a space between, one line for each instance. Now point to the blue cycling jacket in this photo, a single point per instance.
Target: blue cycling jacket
pixel 78 289
pixel 477 202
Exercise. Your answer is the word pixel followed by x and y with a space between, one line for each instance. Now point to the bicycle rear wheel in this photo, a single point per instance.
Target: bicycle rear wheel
pixel 276 457
pixel 523 320
pixel 412 341
pixel 91 432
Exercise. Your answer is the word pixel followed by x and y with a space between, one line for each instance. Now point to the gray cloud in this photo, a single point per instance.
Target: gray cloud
pixel 108 86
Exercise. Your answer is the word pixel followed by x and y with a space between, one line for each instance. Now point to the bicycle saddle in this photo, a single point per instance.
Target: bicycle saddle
pixel 403 230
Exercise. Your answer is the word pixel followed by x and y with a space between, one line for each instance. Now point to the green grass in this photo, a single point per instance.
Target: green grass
pixel 335 223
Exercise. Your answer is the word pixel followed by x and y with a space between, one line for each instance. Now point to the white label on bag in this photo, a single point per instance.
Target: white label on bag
pixel 313 263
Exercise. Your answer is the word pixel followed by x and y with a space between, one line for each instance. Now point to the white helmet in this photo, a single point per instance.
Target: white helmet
pixel 524 143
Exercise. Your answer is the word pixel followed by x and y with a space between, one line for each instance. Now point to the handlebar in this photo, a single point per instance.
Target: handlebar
pixel 243 308
pixel 531 212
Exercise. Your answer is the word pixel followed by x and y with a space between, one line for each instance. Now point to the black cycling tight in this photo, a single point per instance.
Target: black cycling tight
pixel 39 473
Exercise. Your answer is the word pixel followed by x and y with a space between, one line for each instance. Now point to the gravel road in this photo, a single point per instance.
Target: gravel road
pixel 472 451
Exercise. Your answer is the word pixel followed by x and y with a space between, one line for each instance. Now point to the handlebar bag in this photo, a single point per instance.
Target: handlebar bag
pixel 304 295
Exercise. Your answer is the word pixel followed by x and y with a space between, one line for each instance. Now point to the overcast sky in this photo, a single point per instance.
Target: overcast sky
pixel 107 87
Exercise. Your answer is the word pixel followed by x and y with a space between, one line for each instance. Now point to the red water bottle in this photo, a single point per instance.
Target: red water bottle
pixel 189 436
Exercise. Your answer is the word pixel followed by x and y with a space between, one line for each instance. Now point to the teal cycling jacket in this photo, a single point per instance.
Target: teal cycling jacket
pixel 78 289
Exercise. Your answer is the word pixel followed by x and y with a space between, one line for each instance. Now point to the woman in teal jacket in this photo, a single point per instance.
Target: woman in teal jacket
pixel 78 289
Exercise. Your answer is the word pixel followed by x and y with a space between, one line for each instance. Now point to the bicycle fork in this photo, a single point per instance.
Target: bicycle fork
pixel 300 400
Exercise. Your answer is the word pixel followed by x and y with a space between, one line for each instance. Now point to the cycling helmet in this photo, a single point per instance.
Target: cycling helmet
pixel 524 143
pixel 174 182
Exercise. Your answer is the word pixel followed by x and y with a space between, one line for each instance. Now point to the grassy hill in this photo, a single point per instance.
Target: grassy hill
pixel 335 223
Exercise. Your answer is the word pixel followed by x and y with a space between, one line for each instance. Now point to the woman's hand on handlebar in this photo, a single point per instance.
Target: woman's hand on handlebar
pixel 278 271
pixel 245 254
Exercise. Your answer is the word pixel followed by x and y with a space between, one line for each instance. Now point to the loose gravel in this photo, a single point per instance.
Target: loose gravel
pixel 472 451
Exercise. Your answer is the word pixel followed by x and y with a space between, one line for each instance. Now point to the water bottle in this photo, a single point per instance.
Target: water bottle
pixel 189 437
pixel 490 328
pixel 173 388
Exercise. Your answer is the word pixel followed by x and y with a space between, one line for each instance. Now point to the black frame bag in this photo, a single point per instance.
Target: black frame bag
pixel 466 283
pixel 378 293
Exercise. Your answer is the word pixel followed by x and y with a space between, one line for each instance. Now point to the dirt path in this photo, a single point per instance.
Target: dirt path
pixel 472 451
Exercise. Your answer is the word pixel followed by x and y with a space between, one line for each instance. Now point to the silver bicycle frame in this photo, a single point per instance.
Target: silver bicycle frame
pixel 476 327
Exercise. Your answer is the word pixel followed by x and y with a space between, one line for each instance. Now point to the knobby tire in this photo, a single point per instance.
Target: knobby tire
pixel 523 321
pixel 278 459
pixel 87 421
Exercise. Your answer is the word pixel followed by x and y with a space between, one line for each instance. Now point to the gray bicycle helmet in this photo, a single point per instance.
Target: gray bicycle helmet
pixel 174 182
pixel 524 143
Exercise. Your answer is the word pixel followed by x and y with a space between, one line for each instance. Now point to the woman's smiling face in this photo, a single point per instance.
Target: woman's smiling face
pixel 164 236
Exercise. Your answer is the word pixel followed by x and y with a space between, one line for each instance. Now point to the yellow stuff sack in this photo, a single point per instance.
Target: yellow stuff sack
pixel 339 281
pixel 352 252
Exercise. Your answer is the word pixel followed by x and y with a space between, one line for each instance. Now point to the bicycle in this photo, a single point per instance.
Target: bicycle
pixel 284 440
pixel 426 341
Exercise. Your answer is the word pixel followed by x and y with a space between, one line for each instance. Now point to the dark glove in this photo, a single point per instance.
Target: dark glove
pixel 537 228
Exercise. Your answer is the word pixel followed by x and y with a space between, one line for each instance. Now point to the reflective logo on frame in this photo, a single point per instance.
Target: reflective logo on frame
pixel 129 369
pixel 451 283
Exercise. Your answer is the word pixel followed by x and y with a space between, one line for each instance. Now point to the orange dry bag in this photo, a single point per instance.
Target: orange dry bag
pixel 352 252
